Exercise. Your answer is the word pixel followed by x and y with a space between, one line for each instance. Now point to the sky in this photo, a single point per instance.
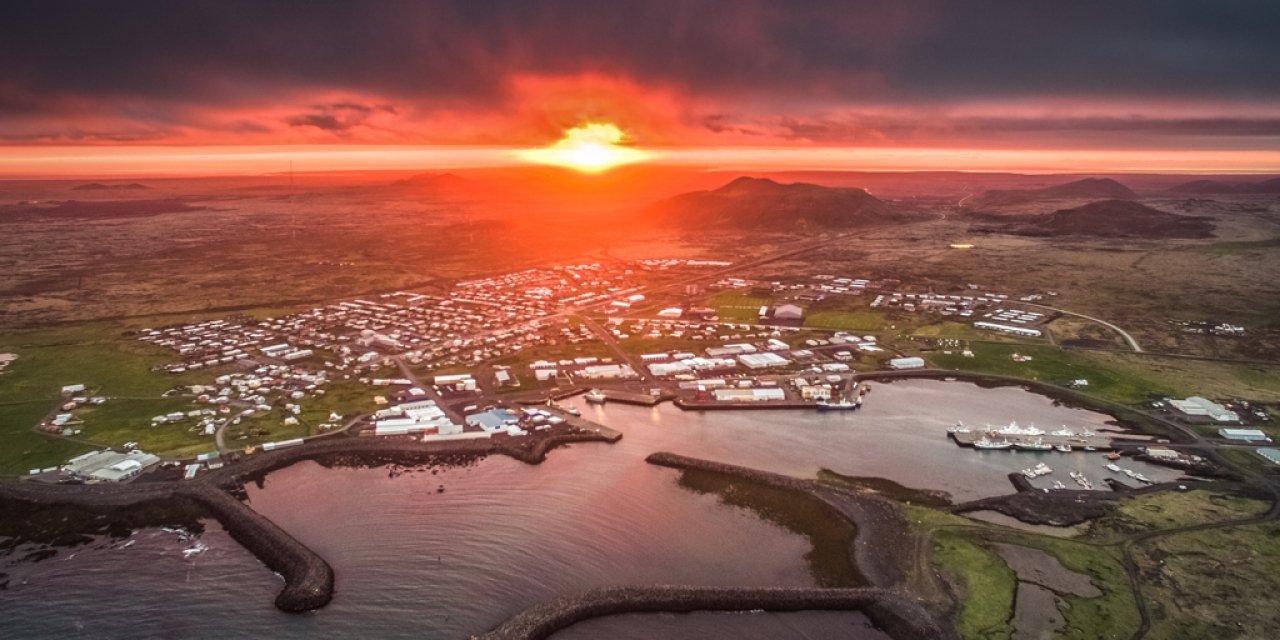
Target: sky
pixel 196 86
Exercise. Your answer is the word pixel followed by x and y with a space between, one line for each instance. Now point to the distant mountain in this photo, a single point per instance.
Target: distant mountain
pixel 1086 189
pixel 447 184
pixel 760 203
pixel 96 209
pixel 98 186
pixel 1115 219
pixel 1222 187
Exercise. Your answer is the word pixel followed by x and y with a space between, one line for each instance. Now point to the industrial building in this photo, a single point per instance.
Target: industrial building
pixel 914 362
pixel 749 395
pixel 1196 408
pixel 1006 328
pixel 1244 435
pixel 762 360
pixel 110 466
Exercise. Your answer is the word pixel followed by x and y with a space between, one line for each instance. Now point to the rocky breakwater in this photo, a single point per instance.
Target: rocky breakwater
pixel 891 611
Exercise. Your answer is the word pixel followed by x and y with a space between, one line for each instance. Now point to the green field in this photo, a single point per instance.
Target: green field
pixel 1217 583
pixel 988 584
pixel 736 306
pixel 1056 366
pixel 109 363
pixel 851 320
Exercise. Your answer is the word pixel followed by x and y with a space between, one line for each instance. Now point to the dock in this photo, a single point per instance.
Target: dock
pixel 1096 441
pixel 629 397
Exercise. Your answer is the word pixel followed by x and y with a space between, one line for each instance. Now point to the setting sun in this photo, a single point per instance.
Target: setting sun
pixel 590 148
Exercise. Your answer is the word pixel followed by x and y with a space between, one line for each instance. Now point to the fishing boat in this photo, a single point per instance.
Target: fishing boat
pixel 1037 445
pixel 987 443
pixel 595 396
pixel 843 405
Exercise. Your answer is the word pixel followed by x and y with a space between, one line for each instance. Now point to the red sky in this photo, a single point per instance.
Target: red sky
pixel 247 87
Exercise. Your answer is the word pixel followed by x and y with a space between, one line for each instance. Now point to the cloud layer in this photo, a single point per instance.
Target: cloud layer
pixel 1138 74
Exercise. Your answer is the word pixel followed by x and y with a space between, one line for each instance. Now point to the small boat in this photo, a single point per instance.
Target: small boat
pixel 1064 432
pixel 843 405
pixel 573 411
pixel 1064 448
pixel 1112 456
pixel 194 549
pixel 959 428
pixel 595 396
pixel 1112 467
pixel 1057 484
pixel 1141 478
pixel 1130 472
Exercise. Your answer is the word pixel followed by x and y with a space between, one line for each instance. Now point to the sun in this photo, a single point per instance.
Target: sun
pixel 590 148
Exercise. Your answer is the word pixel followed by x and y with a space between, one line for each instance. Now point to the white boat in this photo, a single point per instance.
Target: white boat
pixel 1113 467
pixel 843 405
pixel 573 411
pixel 1037 445
pixel 595 396
pixel 1057 484
pixel 987 443
pixel 1141 478
pixel 1064 448
pixel 1064 432
pixel 959 428
pixel 195 549
pixel 1014 430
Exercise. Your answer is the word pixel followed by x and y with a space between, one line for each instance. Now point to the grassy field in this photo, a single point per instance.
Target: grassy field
pixel 988 584
pixel 1058 366
pixel 736 306
pixel 121 421
pixel 849 320
pixel 1175 508
pixel 95 354
pixel 1218 583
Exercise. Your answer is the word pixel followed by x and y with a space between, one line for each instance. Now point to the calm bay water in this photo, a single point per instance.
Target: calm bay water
pixel 413 561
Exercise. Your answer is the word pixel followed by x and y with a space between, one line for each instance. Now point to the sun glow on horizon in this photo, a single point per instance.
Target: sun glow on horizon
pixel 590 148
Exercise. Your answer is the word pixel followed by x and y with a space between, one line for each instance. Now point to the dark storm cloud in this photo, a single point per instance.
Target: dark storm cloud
pixel 765 57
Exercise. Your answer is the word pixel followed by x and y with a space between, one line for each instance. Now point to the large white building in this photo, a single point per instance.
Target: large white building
pixel 111 466
pixel 1197 407
pixel 914 362
pixel 749 395
pixel 1008 328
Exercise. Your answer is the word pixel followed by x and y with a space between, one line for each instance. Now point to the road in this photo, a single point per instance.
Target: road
pixel 1133 344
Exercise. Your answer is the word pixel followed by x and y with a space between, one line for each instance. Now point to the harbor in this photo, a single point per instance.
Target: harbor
pixel 1030 438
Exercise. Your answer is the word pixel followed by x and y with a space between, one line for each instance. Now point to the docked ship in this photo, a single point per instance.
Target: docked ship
pixel 987 443
pixel 1036 445
pixel 595 396
pixel 1014 430
pixel 843 405
pixel 959 428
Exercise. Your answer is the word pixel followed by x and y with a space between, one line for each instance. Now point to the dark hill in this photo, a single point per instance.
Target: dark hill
pixel 760 203
pixel 96 209
pixel 1086 189
pixel 98 186
pixel 1271 186
pixel 1116 219
pixel 441 183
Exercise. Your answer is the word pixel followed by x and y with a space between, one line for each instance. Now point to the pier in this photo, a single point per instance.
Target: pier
pixel 1019 442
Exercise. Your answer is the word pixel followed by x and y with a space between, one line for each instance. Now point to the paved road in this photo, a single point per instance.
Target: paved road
pixel 1133 344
